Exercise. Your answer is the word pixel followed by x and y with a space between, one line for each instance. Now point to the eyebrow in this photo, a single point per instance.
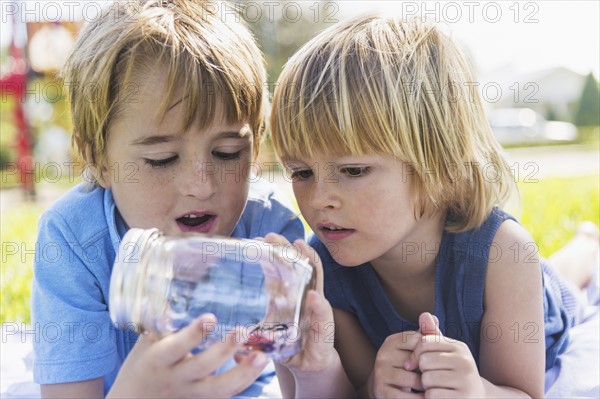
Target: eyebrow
pixel 159 139
pixel 244 133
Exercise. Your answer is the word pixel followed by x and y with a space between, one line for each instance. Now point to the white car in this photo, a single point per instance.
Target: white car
pixel 526 126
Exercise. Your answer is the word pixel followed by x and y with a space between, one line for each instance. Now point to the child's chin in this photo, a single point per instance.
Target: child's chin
pixel 342 259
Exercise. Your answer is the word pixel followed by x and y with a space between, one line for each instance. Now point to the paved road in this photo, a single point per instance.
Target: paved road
pixel 527 164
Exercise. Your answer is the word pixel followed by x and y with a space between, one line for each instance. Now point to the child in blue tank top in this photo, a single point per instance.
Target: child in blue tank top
pixel 169 107
pixel 436 292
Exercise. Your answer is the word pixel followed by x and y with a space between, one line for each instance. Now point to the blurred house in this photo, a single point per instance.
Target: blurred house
pixel 553 93
pixel 522 126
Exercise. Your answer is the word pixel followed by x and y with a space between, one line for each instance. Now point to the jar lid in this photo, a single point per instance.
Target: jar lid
pixel 129 266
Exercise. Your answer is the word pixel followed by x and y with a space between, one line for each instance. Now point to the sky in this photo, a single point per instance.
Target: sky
pixel 529 35
pixel 525 35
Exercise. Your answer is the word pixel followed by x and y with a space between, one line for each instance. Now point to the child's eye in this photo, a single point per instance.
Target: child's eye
pixel 161 163
pixel 227 156
pixel 355 171
pixel 301 174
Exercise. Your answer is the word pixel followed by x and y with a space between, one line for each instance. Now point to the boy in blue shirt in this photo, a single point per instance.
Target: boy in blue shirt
pixel 168 105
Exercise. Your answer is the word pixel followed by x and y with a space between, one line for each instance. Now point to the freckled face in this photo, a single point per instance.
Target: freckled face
pixel 361 207
pixel 178 181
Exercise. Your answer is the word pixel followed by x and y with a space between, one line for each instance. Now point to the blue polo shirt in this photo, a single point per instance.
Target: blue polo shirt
pixel 78 238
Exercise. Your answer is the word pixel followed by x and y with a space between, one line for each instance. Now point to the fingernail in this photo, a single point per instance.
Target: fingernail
pixel 208 318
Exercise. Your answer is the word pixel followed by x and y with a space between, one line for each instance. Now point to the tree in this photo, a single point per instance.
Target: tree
pixel 588 110
pixel 283 27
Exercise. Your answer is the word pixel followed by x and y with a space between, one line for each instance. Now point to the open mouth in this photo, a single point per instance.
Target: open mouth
pixel 193 220
pixel 331 232
pixel 333 228
pixel 197 223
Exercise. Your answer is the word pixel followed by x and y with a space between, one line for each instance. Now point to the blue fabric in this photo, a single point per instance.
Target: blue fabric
pixel 78 238
pixel 459 280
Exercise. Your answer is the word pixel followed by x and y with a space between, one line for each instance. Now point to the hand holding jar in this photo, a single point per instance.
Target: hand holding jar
pixel 162 283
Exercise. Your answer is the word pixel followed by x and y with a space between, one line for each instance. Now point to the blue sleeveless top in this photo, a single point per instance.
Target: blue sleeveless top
pixel 460 273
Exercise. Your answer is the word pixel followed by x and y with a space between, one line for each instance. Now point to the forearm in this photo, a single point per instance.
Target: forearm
pixel 331 382
pixel 92 389
pixel 500 391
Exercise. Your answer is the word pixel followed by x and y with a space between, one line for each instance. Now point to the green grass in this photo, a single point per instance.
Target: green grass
pixel 551 211
pixel 553 208
pixel 18 231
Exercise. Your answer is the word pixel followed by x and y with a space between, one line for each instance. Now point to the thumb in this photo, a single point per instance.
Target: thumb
pixel 429 324
pixel 319 307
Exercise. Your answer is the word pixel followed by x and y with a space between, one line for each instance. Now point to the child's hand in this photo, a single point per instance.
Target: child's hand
pixel 390 379
pixel 447 366
pixel 318 354
pixel 166 368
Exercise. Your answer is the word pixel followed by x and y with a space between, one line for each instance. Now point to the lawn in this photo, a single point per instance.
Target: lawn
pixel 551 210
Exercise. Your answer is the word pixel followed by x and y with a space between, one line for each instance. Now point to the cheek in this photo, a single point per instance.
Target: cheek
pixel 301 193
pixel 235 189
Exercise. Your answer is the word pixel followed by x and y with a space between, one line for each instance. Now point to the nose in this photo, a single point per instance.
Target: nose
pixel 199 179
pixel 324 195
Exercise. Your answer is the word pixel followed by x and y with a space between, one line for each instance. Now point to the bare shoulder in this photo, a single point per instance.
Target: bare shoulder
pixel 514 261
pixel 514 247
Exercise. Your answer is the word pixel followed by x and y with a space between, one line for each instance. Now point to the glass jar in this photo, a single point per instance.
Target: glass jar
pixel 161 283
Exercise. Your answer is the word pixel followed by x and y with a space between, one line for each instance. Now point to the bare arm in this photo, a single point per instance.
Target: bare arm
pixel 83 389
pixel 513 363
pixel 356 352
pixel 317 370
pixel 512 348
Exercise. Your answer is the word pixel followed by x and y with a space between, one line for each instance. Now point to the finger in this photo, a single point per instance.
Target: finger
pixel 232 381
pixel 429 361
pixel 216 355
pixel 443 393
pixel 428 324
pixel 144 342
pixel 276 239
pixel 395 392
pixel 321 311
pixel 315 261
pixel 429 343
pixel 176 346
pixel 406 379
pixel 406 341
pixel 445 379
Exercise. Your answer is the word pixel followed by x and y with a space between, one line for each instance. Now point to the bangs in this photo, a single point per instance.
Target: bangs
pixel 208 78
pixel 352 101
pixel 316 122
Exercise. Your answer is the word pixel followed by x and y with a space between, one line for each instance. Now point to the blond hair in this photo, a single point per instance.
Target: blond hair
pixel 377 85
pixel 211 63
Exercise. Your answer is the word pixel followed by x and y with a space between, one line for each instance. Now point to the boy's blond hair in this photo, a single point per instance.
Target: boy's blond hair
pixel 377 85
pixel 212 63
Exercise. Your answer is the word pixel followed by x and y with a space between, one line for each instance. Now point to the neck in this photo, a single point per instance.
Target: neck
pixel 414 257
pixel 407 273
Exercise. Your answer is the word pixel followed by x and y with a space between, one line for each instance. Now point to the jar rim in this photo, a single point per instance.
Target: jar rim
pixel 127 269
